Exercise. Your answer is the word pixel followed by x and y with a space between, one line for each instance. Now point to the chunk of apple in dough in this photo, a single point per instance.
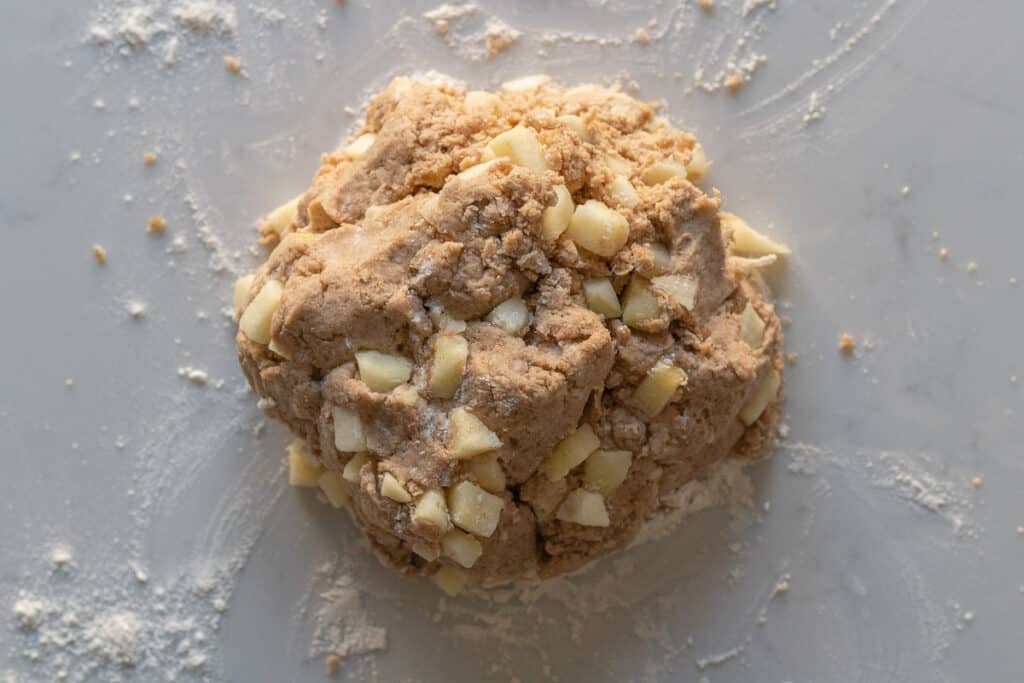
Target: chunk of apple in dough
pixel 585 508
pixel 488 473
pixel 639 304
pixel 555 219
pixel 281 218
pixel 391 488
pixel 242 286
pixel 601 297
pixel 482 102
pixel 431 512
pixel 255 321
pixel 765 391
pixel 751 327
pixel 520 144
pixel 680 288
pixel 745 241
pixel 657 388
pixel 573 123
pixel 570 452
pixel 468 436
pixel 302 470
pixel 597 228
pixel 624 192
pixel 459 546
pixel 333 486
pixel 473 509
pixel 604 471
pixel 450 354
pixel 451 580
pixel 511 315
pixel 699 165
pixel 663 170
pixel 353 469
pixel 348 430
pixel 383 371
pixel 358 147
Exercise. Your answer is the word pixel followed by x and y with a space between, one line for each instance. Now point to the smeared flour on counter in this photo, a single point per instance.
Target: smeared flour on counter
pixel 138 23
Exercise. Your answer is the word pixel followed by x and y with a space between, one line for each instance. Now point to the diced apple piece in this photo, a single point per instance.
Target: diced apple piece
pixel 525 83
pixel 473 509
pixel 618 165
pixel 604 471
pixel 599 229
pixel 354 467
pixel 555 219
pixel 255 321
pixel 624 192
pixel 281 218
pixel 468 436
pixel 699 164
pixel 764 393
pixel 680 288
pixel 662 257
pixel 242 286
pixel 431 512
pixel 482 102
pixel 444 323
pixel 359 146
pixel 657 388
pixel 373 212
pixel 638 302
pixel 383 371
pixel 751 327
pixel 746 241
pixel 520 144
pixel 302 471
pixel 333 486
pixel 451 580
pixel 459 546
pixel 391 488
pixel 584 508
pixel 487 472
pixel 601 297
pixel 348 430
pixel 406 395
pixel 477 170
pixel 570 452
pixel 663 170
pixel 450 354
pixel 428 551
pixel 573 123
pixel 511 315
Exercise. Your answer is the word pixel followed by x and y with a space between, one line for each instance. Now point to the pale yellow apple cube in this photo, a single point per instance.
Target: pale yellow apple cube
pixel 604 471
pixel 428 551
pixel 570 452
pixel 383 371
pixel 585 508
pixel 302 470
pixel 618 165
pixel 354 467
pixel 468 436
pixel 391 488
pixel 699 165
pixel 658 387
pixel 751 327
pixel 451 580
pixel 333 486
pixel 478 170
pixel 639 304
pixel 487 472
pixel 663 170
pixel 520 144
pixel 431 512
pixel 601 297
pixel 746 241
pixel 406 395
pixel 555 219
pixel 680 288
pixel 597 228
pixel 524 83
pixel 451 352
pixel 573 123
pixel 765 391
pixel 283 217
pixel 662 257
pixel 255 321
pixel 459 546
pixel 242 286
pixel 473 509
pixel 358 148
pixel 511 315
pixel 624 192
pixel 482 102
pixel 348 430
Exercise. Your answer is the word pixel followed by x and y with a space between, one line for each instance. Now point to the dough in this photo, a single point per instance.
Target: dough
pixel 445 299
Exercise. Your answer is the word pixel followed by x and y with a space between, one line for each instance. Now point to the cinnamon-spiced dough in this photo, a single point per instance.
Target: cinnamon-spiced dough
pixel 504 324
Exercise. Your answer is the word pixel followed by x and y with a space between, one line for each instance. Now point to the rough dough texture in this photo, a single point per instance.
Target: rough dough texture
pixel 383 244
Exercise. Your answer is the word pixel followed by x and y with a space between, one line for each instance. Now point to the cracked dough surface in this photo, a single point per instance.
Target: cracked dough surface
pixel 391 247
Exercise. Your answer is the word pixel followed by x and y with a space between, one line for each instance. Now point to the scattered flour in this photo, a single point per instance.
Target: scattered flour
pixel 135 25
pixel 343 626
pixel 471 33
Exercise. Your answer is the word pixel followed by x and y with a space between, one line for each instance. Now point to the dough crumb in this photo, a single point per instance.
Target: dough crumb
pixel 157 225
pixel 149 158
pixel 233 64
pixel 732 83
pixel 943 253
pixel 847 344
pixel 706 6
pixel 100 254
pixel 641 37
pixel 977 482
pixel 792 357
pixel 333 664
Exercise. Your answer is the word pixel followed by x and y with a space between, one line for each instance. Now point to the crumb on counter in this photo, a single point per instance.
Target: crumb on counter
pixel 641 37
pixel 943 253
pixel 791 357
pixel 847 343
pixel 733 82
pixel 100 254
pixel 706 6
pixel 149 158
pixel 333 664
pixel 977 482
pixel 157 225
pixel 233 64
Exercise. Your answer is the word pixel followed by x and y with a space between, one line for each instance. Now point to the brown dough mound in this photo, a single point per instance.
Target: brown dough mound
pixel 394 248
